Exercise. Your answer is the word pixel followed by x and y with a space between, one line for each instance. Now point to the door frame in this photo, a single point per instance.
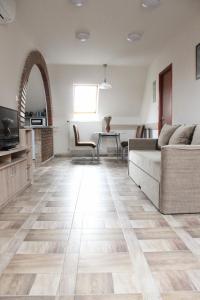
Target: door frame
pixel 160 107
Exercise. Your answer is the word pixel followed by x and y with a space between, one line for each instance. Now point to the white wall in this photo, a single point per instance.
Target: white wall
pixel 123 101
pixel 14 47
pixel 186 89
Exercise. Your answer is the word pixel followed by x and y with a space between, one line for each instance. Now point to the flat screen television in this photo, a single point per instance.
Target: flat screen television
pixel 9 128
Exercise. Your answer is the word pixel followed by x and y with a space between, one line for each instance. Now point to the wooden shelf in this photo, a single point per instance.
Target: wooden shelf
pixel 15 150
pixel 12 163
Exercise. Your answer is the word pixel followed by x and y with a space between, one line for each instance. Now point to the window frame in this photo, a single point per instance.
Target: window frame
pixel 97 99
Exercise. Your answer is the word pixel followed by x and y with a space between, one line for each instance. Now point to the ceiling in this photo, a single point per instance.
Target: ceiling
pixel 53 23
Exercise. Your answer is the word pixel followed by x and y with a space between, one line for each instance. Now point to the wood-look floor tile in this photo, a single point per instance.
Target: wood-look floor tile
pixel 112 297
pixel 95 283
pixel 16 284
pixel 169 281
pixel 38 263
pixel 88 229
pixel 29 298
pixel 144 215
pixel 74 241
pixel 194 232
pixel 149 223
pixel 51 225
pixel 55 217
pixel 47 235
pixel 88 246
pixel 172 260
pixel 13 217
pixel 69 273
pixel 155 233
pixel 124 283
pixel 102 234
pixel 182 295
pixel 194 276
pixel 164 245
pixel 59 204
pixel 45 284
pixel 42 247
pixel 105 263
pixel 65 298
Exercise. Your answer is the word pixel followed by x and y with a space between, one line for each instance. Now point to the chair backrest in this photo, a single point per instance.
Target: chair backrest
pixel 140 131
pixel 76 134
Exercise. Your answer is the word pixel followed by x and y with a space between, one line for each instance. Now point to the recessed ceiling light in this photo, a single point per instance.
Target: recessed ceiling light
pixel 82 36
pixel 78 3
pixel 150 3
pixel 134 37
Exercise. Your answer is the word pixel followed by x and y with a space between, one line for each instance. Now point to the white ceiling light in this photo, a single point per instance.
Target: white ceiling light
pixel 82 36
pixel 78 3
pixel 134 37
pixel 105 85
pixel 150 3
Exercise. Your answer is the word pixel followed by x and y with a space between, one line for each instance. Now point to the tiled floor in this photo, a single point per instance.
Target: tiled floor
pixel 86 232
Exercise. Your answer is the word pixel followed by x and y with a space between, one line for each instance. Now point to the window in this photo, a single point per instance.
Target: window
pixel 85 99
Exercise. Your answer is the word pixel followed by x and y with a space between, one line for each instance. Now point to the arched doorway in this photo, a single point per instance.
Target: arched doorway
pixel 34 58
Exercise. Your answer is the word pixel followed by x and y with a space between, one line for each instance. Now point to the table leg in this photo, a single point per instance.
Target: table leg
pixel 117 146
pixel 98 146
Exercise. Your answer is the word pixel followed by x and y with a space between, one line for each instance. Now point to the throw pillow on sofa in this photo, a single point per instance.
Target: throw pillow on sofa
pixel 166 134
pixel 182 135
pixel 196 136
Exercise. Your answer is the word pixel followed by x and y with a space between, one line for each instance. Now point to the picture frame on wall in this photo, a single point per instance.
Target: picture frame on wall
pixel 154 91
pixel 198 61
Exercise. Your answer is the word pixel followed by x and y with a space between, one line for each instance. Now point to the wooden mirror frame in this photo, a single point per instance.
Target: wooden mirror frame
pixel 35 58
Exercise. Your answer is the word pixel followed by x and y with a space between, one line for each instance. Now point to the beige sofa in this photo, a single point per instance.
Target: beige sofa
pixel 169 177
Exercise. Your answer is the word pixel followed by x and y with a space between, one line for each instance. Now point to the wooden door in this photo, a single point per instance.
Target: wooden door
pixel 165 101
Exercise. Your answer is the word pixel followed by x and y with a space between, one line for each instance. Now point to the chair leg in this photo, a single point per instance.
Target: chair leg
pixel 122 149
pixel 92 154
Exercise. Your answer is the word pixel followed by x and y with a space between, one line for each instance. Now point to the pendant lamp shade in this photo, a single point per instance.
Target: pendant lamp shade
pixel 105 85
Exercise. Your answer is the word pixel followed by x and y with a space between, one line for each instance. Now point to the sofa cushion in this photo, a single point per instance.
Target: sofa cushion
pixel 196 136
pixel 182 135
pixel 148 161
pixel 166 134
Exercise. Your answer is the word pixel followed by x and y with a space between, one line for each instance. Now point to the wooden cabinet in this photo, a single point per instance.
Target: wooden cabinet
pixel 4 193
pixel 16 168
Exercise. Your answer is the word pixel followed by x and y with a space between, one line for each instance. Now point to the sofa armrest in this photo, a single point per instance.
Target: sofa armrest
pixel 142 144
pixel 180 179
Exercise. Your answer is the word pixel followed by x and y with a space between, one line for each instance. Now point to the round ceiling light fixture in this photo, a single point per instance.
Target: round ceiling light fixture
pixel 78 3
pixel 150 3
pixel 134 37
pixel 82 36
